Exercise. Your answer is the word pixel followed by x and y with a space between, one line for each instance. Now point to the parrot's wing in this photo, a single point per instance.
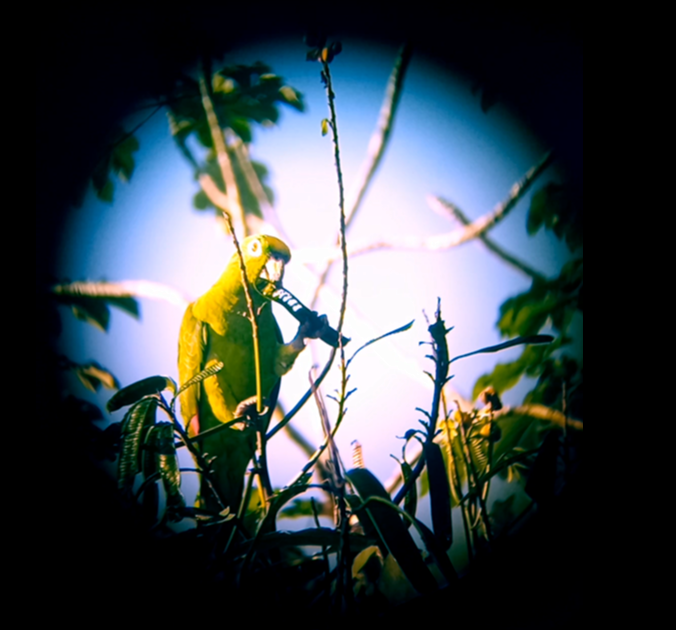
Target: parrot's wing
pixel 273 397
pixel 192 354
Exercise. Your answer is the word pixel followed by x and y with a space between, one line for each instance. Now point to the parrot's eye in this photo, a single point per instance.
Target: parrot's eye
pixel 255 249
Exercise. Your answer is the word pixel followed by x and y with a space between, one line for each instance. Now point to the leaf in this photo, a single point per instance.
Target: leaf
pixel 139 417
pixel 277 502
pixel 433 547
pixel 91 310
pixel 393 534
pixel 325 126
pixel 552 207
pixel 389 334
pixel 118 161
pixel 93 377
pixel 300 508
pixel 197 379
pixel 141 389
pixel 90 301
pixel 127 304
pixel 506 375
pixel 440 495
pixel 167 462
pixel 531 340
pixel 315 537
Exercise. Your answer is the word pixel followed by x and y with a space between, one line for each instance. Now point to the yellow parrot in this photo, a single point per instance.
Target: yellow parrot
pixel 215 328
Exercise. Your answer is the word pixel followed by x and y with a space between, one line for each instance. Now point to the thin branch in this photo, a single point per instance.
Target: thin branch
pixel 467 233
pixel 381 135
pixel 540 412
pixel 214 193
pixel 376 148
pixel 446 208
pixel 267 209
pixel 227 172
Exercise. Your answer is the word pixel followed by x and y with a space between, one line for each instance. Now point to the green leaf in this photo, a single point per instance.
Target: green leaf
pixel 530 340
pixel 393 534
pixel 137 391
pixel 197 379
pixel 92 311
pixel 139 417
pixel 167 462
pixel 93 377
pixel 201 202
pixel 552 208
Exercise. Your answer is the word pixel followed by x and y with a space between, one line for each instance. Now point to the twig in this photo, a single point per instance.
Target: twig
pixel 447 208
pixel 376 149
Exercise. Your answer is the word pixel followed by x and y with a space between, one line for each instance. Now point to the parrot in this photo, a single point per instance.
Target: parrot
pixel 216 327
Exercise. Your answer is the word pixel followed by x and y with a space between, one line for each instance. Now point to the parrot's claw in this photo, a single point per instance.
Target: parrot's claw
pixel 248 410
pixel 315 327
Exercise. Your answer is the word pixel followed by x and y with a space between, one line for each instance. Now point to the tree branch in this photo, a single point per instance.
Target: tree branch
pixel 234 204
pixel 474 230
pixel 446 208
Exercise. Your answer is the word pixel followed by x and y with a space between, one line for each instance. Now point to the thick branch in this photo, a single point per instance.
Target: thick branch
pixel 256 186
pixel 227 172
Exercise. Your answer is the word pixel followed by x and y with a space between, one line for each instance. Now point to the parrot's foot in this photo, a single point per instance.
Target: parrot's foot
pixel 247 410
pixel 313 328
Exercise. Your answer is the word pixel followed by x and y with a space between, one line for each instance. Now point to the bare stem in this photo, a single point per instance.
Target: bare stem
pixel 376 149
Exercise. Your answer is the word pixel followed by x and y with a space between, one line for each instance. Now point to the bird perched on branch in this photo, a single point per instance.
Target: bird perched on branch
pixel 217 327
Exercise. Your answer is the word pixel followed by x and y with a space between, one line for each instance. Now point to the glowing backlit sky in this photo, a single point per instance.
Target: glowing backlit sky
pixel 442 144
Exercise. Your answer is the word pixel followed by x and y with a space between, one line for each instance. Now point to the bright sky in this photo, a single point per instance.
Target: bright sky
pixel 443 144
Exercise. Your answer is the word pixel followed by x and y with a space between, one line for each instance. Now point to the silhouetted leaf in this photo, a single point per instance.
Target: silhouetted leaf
pixel 440 495
pixel 394 536
pixel 91 310
pixel 552 208
pixel 135 392
pixel 167 462
pixel 93 377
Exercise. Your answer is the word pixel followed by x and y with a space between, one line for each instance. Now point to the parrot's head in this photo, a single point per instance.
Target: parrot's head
pixel 264 259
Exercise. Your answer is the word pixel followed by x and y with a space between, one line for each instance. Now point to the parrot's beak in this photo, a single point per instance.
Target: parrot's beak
pixel 274 271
